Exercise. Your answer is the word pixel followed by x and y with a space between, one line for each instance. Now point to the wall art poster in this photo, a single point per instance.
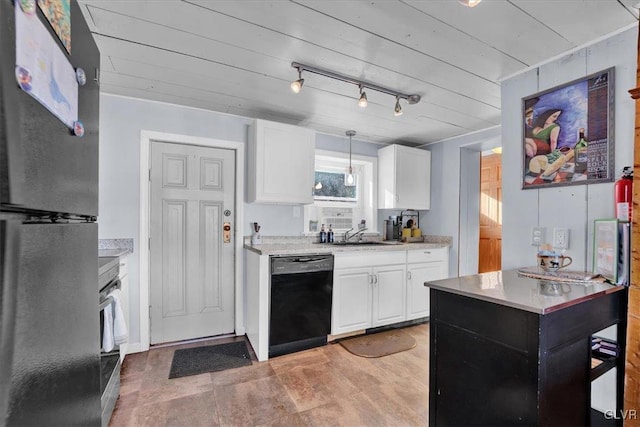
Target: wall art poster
pixel 43 70
pixel 568 133
pixel 58 13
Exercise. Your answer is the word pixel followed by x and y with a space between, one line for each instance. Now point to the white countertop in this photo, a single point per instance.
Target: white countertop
pixel 510 289
pixel 305 248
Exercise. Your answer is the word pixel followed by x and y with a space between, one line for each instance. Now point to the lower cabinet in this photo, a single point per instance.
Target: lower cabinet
pixel 422 266
pixel 375 289
pixel 368 291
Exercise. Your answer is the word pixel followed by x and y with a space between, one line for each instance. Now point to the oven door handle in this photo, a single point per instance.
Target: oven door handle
pixel 104 304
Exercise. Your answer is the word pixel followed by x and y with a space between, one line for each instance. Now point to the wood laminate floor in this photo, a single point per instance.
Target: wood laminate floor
pixel 325 386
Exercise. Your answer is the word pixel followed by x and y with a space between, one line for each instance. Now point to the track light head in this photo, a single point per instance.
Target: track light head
pixel 362 102
pixel 296 85
pixel 397 111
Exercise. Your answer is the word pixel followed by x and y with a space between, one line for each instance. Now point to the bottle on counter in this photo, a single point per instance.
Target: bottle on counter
pixel 581 153
pixel 330 235
pixel 323 235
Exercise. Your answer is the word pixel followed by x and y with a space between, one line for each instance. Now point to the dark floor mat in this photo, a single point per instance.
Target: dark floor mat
pixel 198 360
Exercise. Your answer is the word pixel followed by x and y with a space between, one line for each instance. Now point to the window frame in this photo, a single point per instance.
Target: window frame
pixel 367 193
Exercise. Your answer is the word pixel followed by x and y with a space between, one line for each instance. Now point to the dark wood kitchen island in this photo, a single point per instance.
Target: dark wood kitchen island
pixel 512 350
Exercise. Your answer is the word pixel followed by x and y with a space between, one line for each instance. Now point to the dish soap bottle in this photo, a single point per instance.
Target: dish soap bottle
pixel 323 235
pixel 330 235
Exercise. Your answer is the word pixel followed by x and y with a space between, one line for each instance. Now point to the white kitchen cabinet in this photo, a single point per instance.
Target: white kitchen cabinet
pixel 423 265
pixel 281 163
pixel 389 293
pixel 351 305
pixel 123 275
pixel 368 290
pixel 404 178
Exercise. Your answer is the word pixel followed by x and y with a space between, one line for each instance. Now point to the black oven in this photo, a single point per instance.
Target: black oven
pixel 109 268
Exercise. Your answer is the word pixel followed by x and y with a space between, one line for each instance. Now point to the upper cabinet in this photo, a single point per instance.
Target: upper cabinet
pixel 281 163
pixel 404 178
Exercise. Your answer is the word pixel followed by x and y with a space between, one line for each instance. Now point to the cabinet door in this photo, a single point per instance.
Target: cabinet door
pixel 351 309
pixel 389 294
pixel 282 162
pixel 417 293
pixel 413 175
pixel 404 178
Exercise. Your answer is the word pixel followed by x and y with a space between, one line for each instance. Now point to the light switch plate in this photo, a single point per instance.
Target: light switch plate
pixel 537 236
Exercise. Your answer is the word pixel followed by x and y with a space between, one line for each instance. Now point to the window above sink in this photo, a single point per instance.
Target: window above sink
pixel 338 205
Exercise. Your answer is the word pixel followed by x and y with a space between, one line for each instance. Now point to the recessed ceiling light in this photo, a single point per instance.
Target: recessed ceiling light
pixel 470 3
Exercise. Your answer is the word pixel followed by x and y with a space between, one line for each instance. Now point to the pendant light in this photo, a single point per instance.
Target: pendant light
pixel 349 177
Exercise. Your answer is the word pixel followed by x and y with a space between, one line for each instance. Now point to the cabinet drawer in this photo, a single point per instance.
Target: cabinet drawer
pixel 427 255
pixel 368 259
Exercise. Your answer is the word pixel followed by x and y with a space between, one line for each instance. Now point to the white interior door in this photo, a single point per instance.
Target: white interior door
pixel 191 254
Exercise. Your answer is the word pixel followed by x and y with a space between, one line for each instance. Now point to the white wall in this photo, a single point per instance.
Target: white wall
pixel 574 207
pixel 451 184
pixel 121 121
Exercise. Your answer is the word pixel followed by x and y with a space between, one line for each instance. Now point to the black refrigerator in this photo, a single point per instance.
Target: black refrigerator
pixel 49 312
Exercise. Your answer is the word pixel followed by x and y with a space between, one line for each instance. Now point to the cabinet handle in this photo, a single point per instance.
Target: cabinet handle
pixel 408 275
pixel 371 279
pixel 375 276
pixel 427 252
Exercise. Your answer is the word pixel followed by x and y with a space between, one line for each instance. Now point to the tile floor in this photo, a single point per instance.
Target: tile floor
pixel 325 386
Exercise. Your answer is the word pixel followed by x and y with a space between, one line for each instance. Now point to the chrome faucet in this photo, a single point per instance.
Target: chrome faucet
pixel 358 233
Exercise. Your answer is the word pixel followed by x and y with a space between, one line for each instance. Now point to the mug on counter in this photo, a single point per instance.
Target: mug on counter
pixel 553 263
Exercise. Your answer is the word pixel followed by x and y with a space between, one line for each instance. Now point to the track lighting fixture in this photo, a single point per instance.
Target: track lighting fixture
pixel 398 110
pixel 362 102
pixel 296 86
pixel 349 177
pixel 470 3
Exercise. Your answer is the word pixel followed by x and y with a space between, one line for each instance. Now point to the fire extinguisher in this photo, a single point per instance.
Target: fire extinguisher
pixel 624 193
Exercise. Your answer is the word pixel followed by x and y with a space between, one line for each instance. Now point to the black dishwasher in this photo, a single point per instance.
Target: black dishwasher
pixel 301 292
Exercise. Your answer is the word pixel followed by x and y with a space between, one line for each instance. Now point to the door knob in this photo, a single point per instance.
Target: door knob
pixel 226 232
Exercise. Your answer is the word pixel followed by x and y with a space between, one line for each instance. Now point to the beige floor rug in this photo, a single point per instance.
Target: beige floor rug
pixel 379 344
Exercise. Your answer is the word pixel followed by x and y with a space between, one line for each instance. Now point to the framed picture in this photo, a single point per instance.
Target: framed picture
pixel 567 133
pixel 605 248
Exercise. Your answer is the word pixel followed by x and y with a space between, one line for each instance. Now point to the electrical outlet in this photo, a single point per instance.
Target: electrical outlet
pixel 537 236
pixel 561 238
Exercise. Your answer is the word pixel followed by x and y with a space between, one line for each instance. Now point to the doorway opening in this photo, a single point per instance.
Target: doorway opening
pixel 490 216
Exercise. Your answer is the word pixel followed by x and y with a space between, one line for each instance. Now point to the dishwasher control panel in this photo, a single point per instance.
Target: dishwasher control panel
pixel 301 264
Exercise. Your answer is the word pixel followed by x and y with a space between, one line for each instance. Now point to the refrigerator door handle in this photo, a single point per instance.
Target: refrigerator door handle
pixel 9 267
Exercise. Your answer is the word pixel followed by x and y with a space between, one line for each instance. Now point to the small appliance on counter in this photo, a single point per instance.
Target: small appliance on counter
pixel 405 226
pixel 256 237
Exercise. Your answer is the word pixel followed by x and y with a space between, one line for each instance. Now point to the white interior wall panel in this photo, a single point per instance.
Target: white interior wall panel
pixel 520 211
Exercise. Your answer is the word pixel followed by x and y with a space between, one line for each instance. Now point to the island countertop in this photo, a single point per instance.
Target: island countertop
pixel 511 289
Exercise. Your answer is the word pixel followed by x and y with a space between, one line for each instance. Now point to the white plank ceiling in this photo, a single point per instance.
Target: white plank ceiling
pixel 235 56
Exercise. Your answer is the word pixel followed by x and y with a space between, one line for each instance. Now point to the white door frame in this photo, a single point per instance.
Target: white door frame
pixel 145 191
